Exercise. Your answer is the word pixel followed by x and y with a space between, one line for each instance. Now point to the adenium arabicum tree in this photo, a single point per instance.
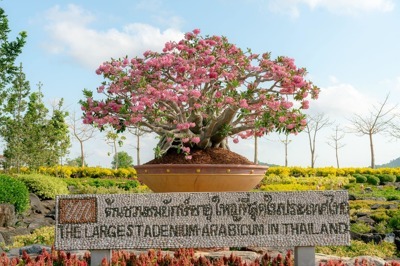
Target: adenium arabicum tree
pixel 198 92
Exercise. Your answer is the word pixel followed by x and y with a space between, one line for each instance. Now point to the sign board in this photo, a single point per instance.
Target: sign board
pixel 190 220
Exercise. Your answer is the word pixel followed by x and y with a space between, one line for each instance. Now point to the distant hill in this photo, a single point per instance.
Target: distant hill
pixel 268 164
pixel 392 163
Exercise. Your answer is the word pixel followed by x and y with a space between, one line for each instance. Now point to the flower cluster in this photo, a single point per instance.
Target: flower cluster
pixel 199 91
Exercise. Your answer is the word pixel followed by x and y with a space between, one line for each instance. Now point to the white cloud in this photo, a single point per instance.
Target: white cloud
pixel 392 84
pixel 347 7
pixel 342 101
pixel 333 79
pixel 71 34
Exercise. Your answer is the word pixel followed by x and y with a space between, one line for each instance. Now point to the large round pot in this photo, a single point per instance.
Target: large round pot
pixel 200 177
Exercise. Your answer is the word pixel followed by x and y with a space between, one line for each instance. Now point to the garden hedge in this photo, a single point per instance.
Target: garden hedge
pixel 14 192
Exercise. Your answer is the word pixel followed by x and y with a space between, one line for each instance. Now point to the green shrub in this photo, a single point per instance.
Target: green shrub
pixel 14 192
pixel 102 183
pixel 359 248
pixel 360 178
pixel 382 228
pixel 105 186
pixel 129 185
pixel 393 197
pixel 360 228
pixel 379 216
pixel 386 178
pixel 44 186
pixel 352 180
pixel 394 222
pixel 373 180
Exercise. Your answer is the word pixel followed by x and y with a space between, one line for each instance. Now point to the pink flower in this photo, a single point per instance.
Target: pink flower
pixel 197 106
pixel 229 100
pixel 290 126
pixel 100 89
pixel 188 157
pixel 195 140
pixel 243 103
pixel 305 104
pixel 213 75
pixel 185 140
pixel 218 94
pixel 236 140
pixel 196 31
pixel 186 149
pixel 281 119
pixel 195 93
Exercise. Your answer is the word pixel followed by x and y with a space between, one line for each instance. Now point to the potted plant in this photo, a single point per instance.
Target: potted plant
pixel 194 95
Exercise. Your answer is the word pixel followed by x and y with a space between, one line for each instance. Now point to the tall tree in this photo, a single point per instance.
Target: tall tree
pixel 35 122
pixel 314 124
pixel 82 133
pixel 335 142
pixel 255 149
pixel 115 140
pixel 376 121
pixel 57 134
pixel 138 132
pixel 9 51
pixel 286 142
pixel 77 162
pixel 48 138
pixel 122 160
pixel 394 128
pixel 12 126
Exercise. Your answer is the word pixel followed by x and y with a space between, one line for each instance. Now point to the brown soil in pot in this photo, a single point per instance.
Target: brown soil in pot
pixel 207 156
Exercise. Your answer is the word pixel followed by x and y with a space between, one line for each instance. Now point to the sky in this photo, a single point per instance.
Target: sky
pixel 349 48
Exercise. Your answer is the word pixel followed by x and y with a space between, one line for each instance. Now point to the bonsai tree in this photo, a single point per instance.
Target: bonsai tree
pixel 200 91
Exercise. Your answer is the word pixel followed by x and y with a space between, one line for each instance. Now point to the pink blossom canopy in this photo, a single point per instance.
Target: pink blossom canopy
pixel 199 91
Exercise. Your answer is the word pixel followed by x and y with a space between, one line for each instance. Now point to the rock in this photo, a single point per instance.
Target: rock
pixel 377 238
pixel 37 221
pixel 13 253
pixel 34 249
pixel 368 190
pixel 50 205
pixel 2 240
pixel 389 238
pixel 380 199
pixel 322 258
pixel 366 219
pixel 247 256
pixel 397 239
pixel 7 215
pixel 273 252
pixel 352 197
pixel 391 207
pixel 376 206
pixel 371 260
pixel 9 233
pixel 36 204
pixel 361 214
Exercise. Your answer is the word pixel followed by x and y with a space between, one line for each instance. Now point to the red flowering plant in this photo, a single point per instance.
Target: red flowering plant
pixel 198 92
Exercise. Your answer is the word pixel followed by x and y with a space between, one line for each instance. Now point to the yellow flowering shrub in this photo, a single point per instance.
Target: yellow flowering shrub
pixel 43 235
